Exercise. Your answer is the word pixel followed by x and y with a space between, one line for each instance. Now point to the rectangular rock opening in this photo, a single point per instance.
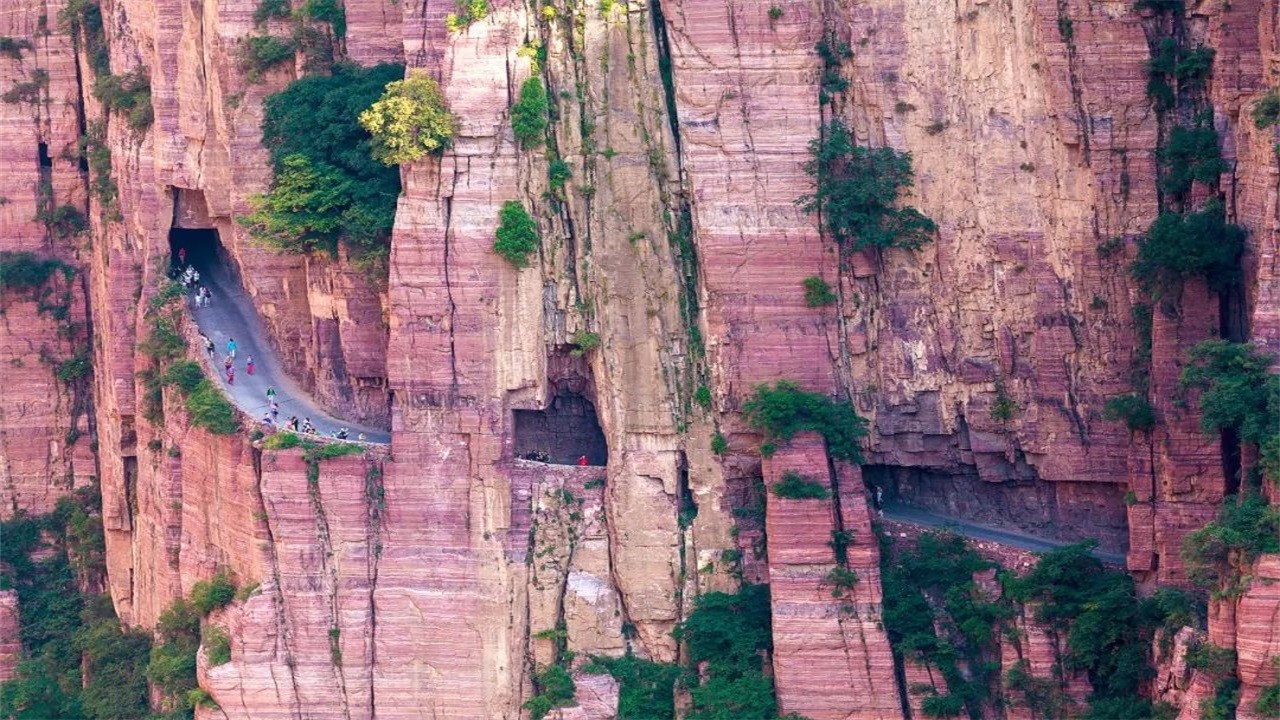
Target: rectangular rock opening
pixel 565 433
pixel 200 248
pixel 1055 511
pixel 46 161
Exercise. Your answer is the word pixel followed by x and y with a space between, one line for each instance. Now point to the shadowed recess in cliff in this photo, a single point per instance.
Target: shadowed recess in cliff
pixel 1054 511
pixel 562 433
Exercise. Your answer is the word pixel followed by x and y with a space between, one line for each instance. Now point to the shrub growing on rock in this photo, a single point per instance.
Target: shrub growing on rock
pixel 408 121
pixel 855 191
pixel 782 410
pixel 209 595
pixel 1133 409
pixel 817 293
pixel 1200 244
pixel 794 486
pixel 1191 155
pixel 327 187
pixel 1266 112
pixel 517 234
pixel 529 114
pixel 261 53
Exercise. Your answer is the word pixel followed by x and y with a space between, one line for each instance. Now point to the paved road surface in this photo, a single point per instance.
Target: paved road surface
pixel 232 315
pixel 915 516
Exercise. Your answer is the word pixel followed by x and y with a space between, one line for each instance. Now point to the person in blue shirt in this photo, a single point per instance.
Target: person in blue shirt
pixel 231 347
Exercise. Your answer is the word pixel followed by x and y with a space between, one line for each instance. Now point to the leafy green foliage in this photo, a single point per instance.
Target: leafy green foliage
pixel 702 396
pixel 719 444
pixel 184 374
pixel 12 48
pixel 1214 555
pixel 784 409
pixel 558 173
pixel 209 409
pixel 585 341
pixel 63 221
pixel 128 95
pixel 794 486
pixel 327 11
pixel 728 632
pixel 469 11
pixel 942 706
pixel 646 688
pixel 855 189
pixel 63 631
pixel 817 293
pixel 83 20
pixel 935 580
pixel 529 113
pixel 281 441
pixel 27 91
pixel 1171 62
pixel 1108 629
pixel 1268 702
pixel 1222 705
pixel 217 646
pixel 1191 155
pixel 327 188
pixel 209 595
pixel 1266 112
pixel 517 235
pixel 409 121
pixel 555 689
pixel 1237 392
pixel 22 271
pixel 1200 244
pixel 268 9
pixel 1211 659
pixel 261 53
pixel 1136 412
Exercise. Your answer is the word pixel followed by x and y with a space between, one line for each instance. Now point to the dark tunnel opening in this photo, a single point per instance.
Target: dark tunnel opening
pixel 199 248
pixel 562 434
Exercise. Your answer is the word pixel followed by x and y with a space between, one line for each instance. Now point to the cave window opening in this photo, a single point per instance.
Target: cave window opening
pixel 46 161
pixel 564 432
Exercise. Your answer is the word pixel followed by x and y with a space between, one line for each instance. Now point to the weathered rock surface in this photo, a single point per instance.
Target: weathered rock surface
pixel 10 642
pixel 415 590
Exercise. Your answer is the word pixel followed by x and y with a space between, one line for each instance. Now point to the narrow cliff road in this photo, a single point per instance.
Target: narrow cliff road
pixel 915 516
pixel 231 315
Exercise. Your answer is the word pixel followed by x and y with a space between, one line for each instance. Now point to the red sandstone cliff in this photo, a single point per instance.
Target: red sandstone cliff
pixel 1046 151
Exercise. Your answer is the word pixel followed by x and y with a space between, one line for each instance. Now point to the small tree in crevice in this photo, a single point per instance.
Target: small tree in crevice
pixel 517 234
pixel 817 293
pixel 1199 244
pixel 855 191
pixel 529 114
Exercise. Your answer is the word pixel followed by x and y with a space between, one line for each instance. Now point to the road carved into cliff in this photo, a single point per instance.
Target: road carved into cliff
pixel 231 315
pixel 914 516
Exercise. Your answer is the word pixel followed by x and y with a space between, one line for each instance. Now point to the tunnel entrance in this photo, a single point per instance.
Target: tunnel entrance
pixel 562 433
pixel 203 249
pixel 1059 511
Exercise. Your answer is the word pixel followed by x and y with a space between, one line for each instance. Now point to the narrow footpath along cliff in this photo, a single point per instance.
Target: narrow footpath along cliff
pixel 784 261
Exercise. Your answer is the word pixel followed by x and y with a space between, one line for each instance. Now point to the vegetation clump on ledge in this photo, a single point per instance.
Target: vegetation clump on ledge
pixel 327 188
pixel 855 191
pixel 782 410
pixel 22 270
pixel 517 235
pixel 529 114
pixel 409 121
pixel 794 486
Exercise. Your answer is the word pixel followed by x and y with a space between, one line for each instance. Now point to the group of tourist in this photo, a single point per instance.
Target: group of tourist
pixel 190 278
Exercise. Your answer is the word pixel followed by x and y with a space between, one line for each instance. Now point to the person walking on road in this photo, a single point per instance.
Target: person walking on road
pixel 293 423
pixel 231 375
pixel 208 347
pixel 182 256
pixel 271 394
pixel 231 348
pixel 248 364
pixel 275 410
pixel 227 363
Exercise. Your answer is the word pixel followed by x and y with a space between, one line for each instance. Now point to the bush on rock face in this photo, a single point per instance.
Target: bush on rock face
pixel 409 121
pixel 517 234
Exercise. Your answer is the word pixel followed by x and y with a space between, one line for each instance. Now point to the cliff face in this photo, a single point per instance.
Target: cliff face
pixel 415 584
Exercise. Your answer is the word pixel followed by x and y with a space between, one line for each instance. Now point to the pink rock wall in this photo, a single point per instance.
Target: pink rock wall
pixel 10 642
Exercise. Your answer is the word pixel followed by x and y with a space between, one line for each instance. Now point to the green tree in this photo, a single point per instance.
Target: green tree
pixel 1200 244
pixel 517 234
pixel 327 188
pixel 855 190
pixel 529 114
pixel 409 120
pixel 783 409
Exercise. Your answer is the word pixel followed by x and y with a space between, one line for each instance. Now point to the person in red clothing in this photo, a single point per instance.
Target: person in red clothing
pixel 582 460
pixel 182 256
pixel 231 376
pixel 249 364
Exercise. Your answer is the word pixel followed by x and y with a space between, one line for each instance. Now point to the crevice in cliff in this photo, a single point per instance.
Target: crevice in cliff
pixel 330 572
pixel 678 218
pixel 1066 29
pixel 282 621
pixel 375 504
pixel 446 237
